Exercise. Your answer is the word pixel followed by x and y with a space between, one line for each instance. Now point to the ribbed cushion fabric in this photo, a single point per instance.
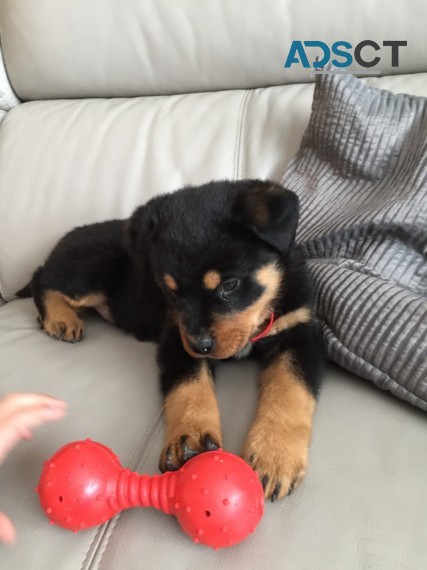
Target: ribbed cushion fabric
pixel 361 175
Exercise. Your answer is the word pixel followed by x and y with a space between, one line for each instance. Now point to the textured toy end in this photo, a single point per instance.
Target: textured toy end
pixel 216 496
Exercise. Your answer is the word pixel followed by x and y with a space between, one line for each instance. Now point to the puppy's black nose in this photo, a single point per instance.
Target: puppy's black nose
pixel 202 344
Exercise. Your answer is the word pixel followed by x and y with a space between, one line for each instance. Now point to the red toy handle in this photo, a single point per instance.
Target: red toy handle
pixel 135 490
pixel 216 496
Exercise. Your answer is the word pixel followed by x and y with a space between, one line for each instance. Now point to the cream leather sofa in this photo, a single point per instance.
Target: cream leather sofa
pixel 104 104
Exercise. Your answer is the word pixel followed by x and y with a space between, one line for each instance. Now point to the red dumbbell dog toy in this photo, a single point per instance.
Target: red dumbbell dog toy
pixel 216 496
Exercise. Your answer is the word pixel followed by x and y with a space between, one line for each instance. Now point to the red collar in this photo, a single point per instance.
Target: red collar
pixel 266 330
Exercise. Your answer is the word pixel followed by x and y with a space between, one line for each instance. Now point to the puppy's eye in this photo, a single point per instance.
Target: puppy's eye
pixel 228 286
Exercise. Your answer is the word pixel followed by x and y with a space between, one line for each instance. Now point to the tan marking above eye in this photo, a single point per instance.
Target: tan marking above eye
pixel 269 276
pixel 211 279
pixel 170 282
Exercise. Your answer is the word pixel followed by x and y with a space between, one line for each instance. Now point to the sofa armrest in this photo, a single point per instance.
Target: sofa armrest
pixel 8 99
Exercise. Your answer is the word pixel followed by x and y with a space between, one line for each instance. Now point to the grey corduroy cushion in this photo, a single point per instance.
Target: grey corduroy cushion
pixel 361 176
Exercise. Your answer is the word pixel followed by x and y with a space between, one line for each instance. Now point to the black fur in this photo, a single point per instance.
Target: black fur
pixel 231 227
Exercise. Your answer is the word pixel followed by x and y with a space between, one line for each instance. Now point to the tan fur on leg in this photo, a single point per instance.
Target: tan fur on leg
pixel 192 420
pixel 289 320
pixel 278 440
pixel 61 320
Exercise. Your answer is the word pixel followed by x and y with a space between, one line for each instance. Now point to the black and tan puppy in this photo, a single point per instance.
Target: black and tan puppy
pixel 209 273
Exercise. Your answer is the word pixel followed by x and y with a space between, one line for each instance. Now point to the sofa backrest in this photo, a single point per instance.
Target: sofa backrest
pixel 8 99
pixel 70 162
pixel 124 48
pixel 69 157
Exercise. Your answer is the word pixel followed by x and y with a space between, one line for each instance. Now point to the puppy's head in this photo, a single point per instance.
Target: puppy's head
pixel 218 253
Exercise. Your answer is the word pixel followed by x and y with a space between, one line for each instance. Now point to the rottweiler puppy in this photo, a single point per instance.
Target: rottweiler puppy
pixel 209 273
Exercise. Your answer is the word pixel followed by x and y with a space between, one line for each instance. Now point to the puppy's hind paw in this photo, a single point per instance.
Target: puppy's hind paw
pixel 67 330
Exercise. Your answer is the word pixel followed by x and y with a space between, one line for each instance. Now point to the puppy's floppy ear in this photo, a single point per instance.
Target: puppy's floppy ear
pixel 140 228
pixel 269 211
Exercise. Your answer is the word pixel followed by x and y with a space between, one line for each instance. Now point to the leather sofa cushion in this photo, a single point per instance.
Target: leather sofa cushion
pixel 107 48
pixel 8 98
pixel 362 504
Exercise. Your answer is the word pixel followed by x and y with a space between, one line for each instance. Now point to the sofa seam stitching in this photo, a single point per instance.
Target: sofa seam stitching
pixel 136 458
pixel 103 529
pixel 244 132
pixel 145 452
pixel 9 108
pixel 1 288
pixel 240 134
pixel 1 291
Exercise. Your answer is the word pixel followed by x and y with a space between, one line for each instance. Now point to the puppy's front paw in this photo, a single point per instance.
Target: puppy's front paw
pixel 69 330
pixel 183 447
pixel 280 459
